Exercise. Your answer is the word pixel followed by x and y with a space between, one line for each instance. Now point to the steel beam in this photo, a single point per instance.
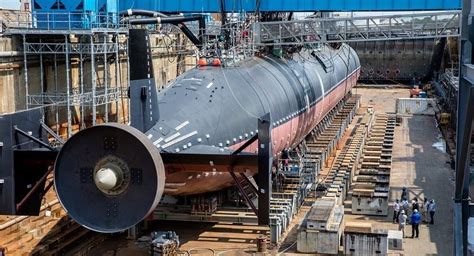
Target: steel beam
pixel 465 114
pixel 68 89
pixel 34 189
pixel 288 6
pixel 25 70
pixel 245 145
pixel 106 80
pixel 93 81
pixel 38 141
pixel 243 193
pixel 357 29
pixel 264 169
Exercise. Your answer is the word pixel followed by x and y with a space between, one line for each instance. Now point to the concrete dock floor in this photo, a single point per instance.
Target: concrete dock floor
pixel 420 167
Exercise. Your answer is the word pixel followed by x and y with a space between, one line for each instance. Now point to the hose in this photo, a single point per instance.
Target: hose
pixel 132 12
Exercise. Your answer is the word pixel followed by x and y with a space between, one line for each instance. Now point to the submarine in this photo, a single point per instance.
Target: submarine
pixel 110 177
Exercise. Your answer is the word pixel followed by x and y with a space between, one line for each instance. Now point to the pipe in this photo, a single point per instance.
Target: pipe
pixel 132 12
pixel 162 20
pixel 178 21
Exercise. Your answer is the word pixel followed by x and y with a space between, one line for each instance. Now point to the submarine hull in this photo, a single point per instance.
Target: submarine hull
pixel 182 140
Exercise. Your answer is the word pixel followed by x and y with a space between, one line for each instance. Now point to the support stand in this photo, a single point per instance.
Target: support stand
pixel 26 158
pixel 264 171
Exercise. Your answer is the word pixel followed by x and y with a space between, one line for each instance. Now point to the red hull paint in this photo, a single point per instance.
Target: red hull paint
pixel 284 136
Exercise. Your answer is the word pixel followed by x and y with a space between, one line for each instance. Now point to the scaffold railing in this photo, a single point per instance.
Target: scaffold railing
pixel 62 22
pixel 372 28
pixel 77 98
pixel 72 48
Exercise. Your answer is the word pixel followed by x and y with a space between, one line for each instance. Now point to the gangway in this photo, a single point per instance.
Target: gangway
pixel 353 29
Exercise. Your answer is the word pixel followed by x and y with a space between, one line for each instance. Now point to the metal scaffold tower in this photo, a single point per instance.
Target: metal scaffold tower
pixel 85 55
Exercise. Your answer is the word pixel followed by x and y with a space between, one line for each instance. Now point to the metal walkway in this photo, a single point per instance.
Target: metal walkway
pixel 374 28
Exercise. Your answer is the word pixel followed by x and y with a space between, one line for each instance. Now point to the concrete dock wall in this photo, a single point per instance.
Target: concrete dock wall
pixel 13 89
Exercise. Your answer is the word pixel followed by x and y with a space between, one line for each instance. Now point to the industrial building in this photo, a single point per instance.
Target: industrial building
pixel 225 127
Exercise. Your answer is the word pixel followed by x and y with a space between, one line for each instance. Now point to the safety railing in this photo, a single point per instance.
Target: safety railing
pixel 72 48
pixel 77 98
pixel 372 28
pixel 54 21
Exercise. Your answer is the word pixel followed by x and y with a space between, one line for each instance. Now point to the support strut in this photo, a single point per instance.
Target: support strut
pixel 264 169
pixel 263 189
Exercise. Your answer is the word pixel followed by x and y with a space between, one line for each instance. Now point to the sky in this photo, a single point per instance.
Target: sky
pixel 10 4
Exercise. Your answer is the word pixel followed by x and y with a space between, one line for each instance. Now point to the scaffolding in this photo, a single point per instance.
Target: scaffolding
pixel 354 29
pixel 93 46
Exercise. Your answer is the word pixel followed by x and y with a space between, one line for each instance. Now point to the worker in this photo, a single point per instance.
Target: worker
pixel 405 205
pixel 415 222
pixel 286 162
pixel 286 159
pixel 396 211
pixel 425 211
pixel 404 194
pixel 402 222
pixel 432 210
pixel 415 205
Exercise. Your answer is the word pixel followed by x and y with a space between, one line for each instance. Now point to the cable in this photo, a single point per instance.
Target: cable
pixel 235 249
pixel 287 248
pixel 201 249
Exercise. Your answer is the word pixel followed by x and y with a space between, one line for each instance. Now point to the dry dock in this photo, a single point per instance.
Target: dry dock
pixel 420 167
pixel 416 164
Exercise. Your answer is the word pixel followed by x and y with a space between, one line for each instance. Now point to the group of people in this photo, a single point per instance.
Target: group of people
pixel 402 209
